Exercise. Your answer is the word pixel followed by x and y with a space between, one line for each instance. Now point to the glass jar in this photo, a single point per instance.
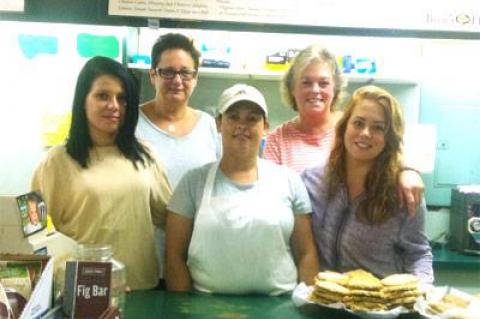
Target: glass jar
pixel 104 253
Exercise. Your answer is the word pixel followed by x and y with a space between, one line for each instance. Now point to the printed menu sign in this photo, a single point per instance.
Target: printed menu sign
pixel 12 5
pixel 428 15
pixel 226 10
pixel 87 289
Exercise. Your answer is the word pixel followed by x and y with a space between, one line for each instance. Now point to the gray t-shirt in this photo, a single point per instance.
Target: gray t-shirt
pixel 187 196
pixel 180 154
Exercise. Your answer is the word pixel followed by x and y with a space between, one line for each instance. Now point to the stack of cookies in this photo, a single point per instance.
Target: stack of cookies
pixel 330 287
pixel 400 290
pixel 360 290
pixel 365 292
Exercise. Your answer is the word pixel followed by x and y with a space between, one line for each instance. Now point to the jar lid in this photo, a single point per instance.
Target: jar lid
pixel 93 251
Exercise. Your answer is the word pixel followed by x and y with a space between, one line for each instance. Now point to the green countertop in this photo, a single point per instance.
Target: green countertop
pixel 444 257
pixel 168 305
pixel 161 304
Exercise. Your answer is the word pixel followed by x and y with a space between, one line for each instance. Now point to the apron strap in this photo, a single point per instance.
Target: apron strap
pixel 208 187
pixel 212 172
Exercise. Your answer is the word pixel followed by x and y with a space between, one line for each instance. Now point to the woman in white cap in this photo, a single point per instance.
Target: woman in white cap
pixel 242 224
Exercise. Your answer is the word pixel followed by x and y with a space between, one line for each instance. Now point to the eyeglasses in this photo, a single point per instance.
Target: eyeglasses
pixel 171 73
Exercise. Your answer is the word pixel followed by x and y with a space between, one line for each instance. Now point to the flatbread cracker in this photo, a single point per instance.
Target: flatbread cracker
pixel 390 289
pixel 324 298
pixel 456 300
pixel 332 276
pixel 331 287
pixel 362 279
pixel 360 299
pixel 366 306
pixel 440 306
pixel 402 294
pixel 401 301
pixel 399 280
pixel 369 293
pixel 321 300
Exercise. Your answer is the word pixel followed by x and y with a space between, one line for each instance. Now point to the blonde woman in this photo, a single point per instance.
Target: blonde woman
pixel 312 87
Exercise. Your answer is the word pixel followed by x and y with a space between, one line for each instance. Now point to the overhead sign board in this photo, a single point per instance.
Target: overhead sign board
pixel 403 15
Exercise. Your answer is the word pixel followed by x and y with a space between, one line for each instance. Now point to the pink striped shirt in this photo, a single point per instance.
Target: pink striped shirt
pixel 286 145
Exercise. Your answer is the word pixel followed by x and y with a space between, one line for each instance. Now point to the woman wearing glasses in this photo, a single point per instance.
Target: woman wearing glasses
pixel 183 137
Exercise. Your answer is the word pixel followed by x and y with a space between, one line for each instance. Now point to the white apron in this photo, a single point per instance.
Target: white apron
pixel 237 244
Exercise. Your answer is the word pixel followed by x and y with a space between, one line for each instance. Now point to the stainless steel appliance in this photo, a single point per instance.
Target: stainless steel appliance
pixel 465 219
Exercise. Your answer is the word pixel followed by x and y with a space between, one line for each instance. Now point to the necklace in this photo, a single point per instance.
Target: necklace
pixel 171 128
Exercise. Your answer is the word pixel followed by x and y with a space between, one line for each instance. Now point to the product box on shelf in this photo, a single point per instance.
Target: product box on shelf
pixel 40 300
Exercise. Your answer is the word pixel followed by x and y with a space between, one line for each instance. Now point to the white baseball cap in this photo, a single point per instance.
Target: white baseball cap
pixel 241 92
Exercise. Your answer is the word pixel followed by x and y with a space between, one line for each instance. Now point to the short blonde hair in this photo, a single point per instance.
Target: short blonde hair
pixel 313 54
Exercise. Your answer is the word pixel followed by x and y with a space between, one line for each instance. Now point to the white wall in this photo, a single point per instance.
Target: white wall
pixel 36 92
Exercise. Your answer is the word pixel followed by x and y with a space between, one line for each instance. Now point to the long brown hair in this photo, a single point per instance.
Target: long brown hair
pixel 381 183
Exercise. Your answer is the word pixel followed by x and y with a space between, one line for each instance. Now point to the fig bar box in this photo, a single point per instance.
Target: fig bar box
pixel 87 289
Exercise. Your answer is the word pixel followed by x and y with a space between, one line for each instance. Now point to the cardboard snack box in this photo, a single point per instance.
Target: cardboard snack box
pixel 41 298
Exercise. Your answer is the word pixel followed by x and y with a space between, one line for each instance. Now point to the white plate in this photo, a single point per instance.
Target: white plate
pixel 437 293
pixel 300 298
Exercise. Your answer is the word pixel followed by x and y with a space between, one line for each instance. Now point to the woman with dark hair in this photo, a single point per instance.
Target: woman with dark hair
pixel 103 186
pixel 184 137
pixel 80 140
pixel 176 129
pixel 357 218
pixel 240 225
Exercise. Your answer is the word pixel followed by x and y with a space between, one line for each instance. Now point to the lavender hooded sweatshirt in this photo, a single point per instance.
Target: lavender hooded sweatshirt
pixel 399 245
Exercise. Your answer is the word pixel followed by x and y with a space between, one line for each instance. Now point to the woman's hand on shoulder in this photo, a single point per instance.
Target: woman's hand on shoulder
pixel 410 190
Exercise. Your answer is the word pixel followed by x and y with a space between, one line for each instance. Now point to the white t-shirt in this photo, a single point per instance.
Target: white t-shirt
pixel 180 154
pixel 241 236
pixel 187 196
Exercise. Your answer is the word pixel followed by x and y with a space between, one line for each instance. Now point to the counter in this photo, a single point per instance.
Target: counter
pixel 444 257
pixel 452 268
pixel 169 305
pixel 162 304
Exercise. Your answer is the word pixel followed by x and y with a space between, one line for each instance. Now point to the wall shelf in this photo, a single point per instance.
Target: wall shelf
pixel 241 74
pixel 277 76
